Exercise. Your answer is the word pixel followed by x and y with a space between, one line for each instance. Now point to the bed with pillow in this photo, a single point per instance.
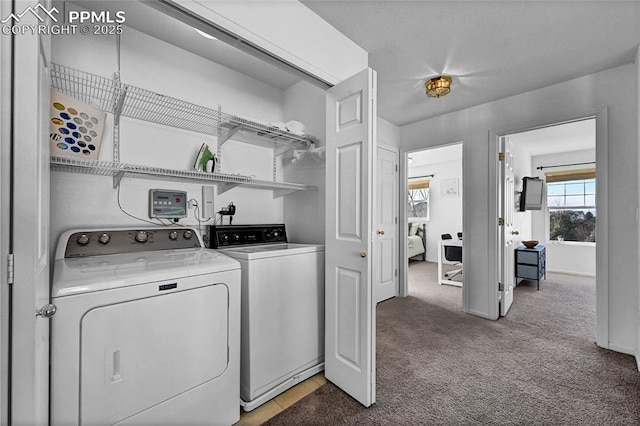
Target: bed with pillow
pixel 417 241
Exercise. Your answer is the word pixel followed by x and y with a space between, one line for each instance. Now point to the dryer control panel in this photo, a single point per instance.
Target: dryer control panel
pixel 103 242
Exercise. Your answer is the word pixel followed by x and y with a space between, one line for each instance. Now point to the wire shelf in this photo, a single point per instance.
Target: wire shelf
pixel 136 171
pixel 107 168
pixel 119 99
pixel 142 104
pixel 136 103
pixel 267 184
pixel 101 92
pixel 149 106
pixel 247 131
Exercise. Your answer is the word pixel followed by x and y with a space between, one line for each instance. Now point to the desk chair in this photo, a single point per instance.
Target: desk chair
pixel 452 254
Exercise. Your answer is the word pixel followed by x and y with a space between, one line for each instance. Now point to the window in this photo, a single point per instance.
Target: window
pixel 571 202
pixel 418 198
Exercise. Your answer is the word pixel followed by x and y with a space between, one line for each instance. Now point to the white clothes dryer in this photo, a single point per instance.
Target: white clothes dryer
pixel 147 330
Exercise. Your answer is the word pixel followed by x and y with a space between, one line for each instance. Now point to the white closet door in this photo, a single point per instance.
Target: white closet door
pixel 350 326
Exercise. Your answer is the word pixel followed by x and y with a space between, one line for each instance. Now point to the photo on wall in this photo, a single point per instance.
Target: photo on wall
pixel 449 188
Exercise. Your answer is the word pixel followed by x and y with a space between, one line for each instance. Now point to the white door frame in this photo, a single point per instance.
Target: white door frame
pixel 602 224
pixel 403 283
pixel 5 209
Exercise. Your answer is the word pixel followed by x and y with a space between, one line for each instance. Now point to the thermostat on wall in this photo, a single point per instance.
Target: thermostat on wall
pixel 167 204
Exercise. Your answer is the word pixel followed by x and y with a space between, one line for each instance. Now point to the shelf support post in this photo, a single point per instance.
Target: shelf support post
pixel 118 101
pixel 274 163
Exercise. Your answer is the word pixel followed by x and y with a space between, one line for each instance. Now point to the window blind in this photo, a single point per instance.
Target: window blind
pixel 565 175
pixel 418 184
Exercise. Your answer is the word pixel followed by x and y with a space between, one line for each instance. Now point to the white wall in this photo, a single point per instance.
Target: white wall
pixel 566 257
pixel 90 201
pixel 445 213
pixel 304 212
pixel 576 98
pixel 388 133
pixel 521 168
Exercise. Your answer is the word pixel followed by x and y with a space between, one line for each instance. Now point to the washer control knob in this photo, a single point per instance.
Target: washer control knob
pixel 83 239
pixel 187 234
pixel 104 238
pixel 142 237
pixel 173 235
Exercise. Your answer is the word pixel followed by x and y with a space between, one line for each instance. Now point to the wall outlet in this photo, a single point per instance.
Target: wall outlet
pixel 208 208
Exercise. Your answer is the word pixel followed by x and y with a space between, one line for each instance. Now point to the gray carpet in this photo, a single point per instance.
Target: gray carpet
pixel 439 366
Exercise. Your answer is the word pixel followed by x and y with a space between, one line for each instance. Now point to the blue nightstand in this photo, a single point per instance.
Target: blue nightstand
pixel 531 263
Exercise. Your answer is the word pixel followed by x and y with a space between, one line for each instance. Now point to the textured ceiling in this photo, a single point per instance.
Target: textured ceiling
pixel 491 49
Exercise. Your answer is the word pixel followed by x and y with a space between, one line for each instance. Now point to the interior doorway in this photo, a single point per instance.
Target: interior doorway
pixel 560 220
pixel 433 205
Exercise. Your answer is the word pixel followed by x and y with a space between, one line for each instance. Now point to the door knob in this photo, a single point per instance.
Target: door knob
pixel 380 232
pixel 515 233
pixel 363 254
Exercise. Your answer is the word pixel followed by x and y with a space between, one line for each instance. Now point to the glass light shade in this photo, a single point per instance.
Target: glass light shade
pixel 438 86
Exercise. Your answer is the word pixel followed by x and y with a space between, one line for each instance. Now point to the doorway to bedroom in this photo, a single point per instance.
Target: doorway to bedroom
pixel 560 221
pixel 434 223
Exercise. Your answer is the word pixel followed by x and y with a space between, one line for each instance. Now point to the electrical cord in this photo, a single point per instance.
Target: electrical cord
pixel 134 217
pixel 196 214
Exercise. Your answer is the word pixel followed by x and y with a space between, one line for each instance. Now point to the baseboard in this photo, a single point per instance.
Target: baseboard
pixel 623 349
pixel 638 360
pixel 582 274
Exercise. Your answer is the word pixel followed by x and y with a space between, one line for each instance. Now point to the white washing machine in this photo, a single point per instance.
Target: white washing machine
pixel 147 330
pixel 282 308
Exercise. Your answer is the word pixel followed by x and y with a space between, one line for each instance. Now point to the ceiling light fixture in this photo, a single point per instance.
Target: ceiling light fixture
pixel 438 86
pixel 205 35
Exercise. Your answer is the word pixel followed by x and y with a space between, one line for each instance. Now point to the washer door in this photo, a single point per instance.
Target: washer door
pixel 141 353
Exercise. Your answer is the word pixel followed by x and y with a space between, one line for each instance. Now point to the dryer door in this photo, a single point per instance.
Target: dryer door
pixel 141 353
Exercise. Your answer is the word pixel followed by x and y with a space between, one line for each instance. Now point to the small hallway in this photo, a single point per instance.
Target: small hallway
pixel 437 365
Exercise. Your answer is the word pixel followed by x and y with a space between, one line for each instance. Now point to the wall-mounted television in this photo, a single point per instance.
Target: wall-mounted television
pixel 532 192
